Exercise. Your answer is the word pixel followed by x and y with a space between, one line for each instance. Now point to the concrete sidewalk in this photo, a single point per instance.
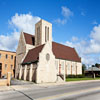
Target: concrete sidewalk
pixel 66 83
pixel 41 86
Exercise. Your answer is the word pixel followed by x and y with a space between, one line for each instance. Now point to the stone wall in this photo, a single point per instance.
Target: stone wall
pixel 20 53
pixel 68 67
pixel 40 39
pixel 46 70
pixel 28 72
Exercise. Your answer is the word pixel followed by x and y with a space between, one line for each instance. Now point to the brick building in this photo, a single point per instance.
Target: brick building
pixel 7 63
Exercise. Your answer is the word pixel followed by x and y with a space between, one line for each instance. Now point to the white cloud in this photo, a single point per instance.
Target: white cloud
pixel 67 13
pixel 89 50
pixel 82 13
pixel 74 38
pixel 9 42
pixel 60 21
pixel 19 22
pixel 25 22
pixel 95 33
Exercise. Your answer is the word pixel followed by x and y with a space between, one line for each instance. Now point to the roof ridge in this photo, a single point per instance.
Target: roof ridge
pixel 64 45
pixel 37 47
pixel 28 34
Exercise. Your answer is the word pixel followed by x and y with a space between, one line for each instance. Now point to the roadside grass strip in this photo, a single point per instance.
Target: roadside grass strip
pixel 81 79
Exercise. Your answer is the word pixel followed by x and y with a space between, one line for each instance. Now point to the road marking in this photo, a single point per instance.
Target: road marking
pixel 69 94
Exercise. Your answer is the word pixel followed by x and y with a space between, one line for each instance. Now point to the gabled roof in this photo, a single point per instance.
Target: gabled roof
pixel 30 39
pixel 60 51
pixel 33 54
pixel 64 52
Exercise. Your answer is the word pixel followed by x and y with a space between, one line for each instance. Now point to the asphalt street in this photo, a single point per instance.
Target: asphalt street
pixel 79 91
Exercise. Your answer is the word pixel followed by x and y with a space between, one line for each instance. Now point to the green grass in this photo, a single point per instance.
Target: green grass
pixel 81 79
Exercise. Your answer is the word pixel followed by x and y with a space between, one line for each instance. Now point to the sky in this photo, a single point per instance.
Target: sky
pixel 75 23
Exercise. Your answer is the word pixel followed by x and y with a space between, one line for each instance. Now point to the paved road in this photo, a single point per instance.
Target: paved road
pixel 79 91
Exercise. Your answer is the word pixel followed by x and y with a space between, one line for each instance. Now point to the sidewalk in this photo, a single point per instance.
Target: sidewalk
pixel 41 86
pixel 66 83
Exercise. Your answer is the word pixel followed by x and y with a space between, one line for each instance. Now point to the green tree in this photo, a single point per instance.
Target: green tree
pixel 83 68
pixel 97 65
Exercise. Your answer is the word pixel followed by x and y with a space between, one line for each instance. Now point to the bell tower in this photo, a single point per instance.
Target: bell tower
pixel 43 33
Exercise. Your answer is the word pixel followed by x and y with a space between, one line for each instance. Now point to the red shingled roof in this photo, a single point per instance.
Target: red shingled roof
pixel 64 52
pixel 30 39
pixel 33 54
pixel 60 51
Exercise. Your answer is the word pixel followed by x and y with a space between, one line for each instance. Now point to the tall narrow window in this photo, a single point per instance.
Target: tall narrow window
pixel 0 55
pixel 45 34
pixel 11 67
pixel 6 56
pixel 11 56
pixel 0 66
pixel 5 66
pixel 38 35
pixel 48 33
pixel 62 65
pixel 56 63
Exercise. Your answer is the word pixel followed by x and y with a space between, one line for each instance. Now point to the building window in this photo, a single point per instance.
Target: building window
pixel 6 56
pixel 0 55
pixel 62 64
pixel 45 34
pixel 11 67
pixel 0 66
pixel 38 35
pixel 56 63
pixel 48 33
pixel 11 56
pixel 5 66
pixel 68 66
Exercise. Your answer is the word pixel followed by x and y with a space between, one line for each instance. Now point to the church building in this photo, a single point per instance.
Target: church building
pixel 42 60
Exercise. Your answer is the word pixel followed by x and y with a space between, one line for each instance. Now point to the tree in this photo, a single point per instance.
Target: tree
pixel 83 68
pixel 93 65
pixel 97 65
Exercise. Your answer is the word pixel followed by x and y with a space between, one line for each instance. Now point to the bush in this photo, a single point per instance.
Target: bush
pixel 75 76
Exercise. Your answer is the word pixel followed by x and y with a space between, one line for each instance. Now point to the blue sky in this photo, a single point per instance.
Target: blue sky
pixel 76 23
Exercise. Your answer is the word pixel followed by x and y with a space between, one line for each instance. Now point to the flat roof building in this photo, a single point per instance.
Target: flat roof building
pixel 7 63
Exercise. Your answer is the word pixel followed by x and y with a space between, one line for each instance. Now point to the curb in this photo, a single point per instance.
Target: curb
pixel 38 86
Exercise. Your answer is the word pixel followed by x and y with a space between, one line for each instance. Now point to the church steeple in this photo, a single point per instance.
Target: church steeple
pixel 43 32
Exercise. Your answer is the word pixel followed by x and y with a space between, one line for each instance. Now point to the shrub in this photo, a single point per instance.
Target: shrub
pixel 75 76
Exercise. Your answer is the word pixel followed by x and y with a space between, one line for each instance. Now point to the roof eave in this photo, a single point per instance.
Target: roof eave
pixel 68 60
pixel 27 63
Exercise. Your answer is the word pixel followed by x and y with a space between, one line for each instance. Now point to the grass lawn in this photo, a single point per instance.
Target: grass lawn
pixel 81 79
